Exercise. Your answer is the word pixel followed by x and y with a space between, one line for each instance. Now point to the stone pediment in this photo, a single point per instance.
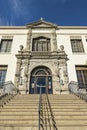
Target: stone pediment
pixel 42 24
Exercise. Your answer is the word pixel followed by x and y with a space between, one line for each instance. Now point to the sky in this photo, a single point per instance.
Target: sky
pixel 60 12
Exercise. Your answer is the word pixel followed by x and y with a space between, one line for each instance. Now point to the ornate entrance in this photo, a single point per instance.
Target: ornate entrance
pixel 41 77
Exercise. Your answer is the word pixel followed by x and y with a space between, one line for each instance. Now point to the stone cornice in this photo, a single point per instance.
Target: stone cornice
pixel 58 27
pixel 41 55
pixel 13 27
pixel 72 27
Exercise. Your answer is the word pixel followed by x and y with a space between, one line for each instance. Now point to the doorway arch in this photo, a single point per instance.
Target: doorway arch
pixel 41 77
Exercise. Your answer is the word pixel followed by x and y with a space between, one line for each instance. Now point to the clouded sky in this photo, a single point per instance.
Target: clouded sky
pixel 61 12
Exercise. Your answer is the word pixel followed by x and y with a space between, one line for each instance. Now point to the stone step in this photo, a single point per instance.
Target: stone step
pixel 48 128
pixel 72 127
pixel 17 99
pixel 23 98
pixel 70 103
pixel 28 102
pixel 59 102
pixel 69 110
pixel 17 117
pixel 36 112
pixel 68 107
pixel 35 117
pixel 70 117
pixel 18 110
pixel 18 123
pixel 69 113
pixel 20 106
pixel 63 96
pixel 13 105
pixel 35 123
pixel 61 107
pixel 36 108
pixel 82 101
pixel 18 127
pixel 19 113
pixel 71 123
pixel 24 101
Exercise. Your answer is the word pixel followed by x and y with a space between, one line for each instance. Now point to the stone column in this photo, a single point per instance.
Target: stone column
pixel 65 74
pixel 26 76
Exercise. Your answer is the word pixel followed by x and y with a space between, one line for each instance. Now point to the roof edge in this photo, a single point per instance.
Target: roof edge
pixel 72 27
pixel 13 27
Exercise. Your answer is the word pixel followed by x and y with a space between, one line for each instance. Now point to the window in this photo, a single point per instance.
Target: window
pixel 81 72
pixel 77 45
pixel 5 45
pixel 41 44
pixel 3 70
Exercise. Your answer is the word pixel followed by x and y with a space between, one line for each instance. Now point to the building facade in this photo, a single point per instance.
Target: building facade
pixel 43 55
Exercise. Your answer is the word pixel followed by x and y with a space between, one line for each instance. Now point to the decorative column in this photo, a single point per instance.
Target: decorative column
pixel 26 75
pixel 56 78
pixel 54 40
pixel 18 67
pixel 65 74
pixel 17 75
pixel 28 46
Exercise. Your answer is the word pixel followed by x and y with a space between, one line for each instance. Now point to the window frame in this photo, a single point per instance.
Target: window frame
pixel 3 73
pixel 39 43
pixel 81 73
pixel 77 46
pixel 6 47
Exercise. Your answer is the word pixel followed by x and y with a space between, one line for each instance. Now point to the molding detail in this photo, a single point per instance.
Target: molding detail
pixel 7 37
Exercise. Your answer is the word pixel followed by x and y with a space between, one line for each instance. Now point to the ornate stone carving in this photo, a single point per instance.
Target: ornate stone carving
pixel 17 75
pixel 61 47
pixel 21 47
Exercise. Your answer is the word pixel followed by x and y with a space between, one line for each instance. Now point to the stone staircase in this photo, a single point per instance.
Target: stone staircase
pixel 70 112
pixel 21 113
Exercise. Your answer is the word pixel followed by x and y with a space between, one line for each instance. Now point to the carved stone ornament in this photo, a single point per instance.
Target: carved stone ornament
pixel 21 47
pixel 61 47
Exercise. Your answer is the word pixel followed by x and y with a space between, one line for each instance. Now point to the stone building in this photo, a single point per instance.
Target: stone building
pixel 43 55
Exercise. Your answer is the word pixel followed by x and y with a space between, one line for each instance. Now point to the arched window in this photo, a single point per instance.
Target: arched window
pixel 41 44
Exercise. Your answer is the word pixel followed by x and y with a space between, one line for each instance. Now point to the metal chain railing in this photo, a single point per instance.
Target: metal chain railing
pixel 40 112
pixel 51 117
pixel 46 118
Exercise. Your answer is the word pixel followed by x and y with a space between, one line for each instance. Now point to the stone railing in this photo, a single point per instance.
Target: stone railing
pixel 8 87
pixel 78 89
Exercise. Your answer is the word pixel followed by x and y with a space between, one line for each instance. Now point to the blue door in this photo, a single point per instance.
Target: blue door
pixel 41 83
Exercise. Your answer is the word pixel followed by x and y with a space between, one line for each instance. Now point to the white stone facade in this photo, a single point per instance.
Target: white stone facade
pixel 60 61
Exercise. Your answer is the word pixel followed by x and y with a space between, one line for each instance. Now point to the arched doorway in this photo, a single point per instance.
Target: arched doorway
pixel 41 77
